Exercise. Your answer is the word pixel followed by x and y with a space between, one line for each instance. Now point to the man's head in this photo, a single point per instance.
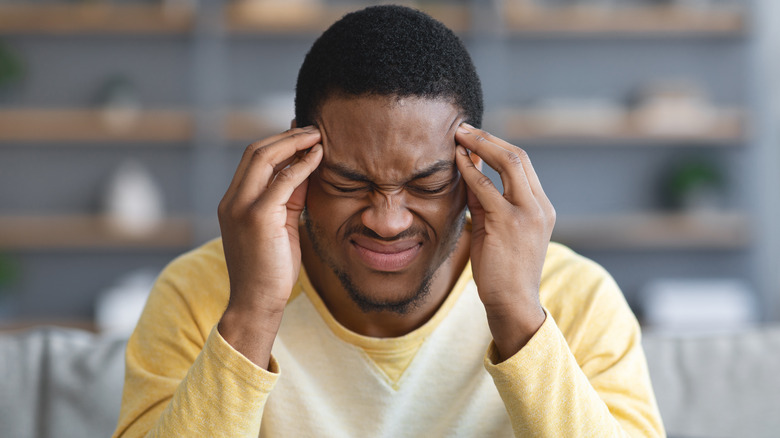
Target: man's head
pixel 387 87
pixel 388 51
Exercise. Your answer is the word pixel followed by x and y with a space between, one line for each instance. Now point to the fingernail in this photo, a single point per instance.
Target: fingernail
pixel 463 130
pixel 467 125
pixel 317 147
pixel 310 128
pixel 461 150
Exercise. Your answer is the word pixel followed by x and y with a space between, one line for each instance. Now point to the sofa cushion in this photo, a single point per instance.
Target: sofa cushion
pixel 68 383
pixel 718 385
pixel 60 383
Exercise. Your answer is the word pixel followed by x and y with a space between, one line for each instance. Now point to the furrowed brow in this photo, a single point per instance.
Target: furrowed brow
pixel 354 175
pixel 435 168
pixel 345 172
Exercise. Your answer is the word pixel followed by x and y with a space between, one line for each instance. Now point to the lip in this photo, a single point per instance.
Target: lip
pixel 386 257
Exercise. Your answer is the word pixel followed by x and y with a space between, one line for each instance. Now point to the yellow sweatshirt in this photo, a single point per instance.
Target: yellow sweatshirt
pixel 582 374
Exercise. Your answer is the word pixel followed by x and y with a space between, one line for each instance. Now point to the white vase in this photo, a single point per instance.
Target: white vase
pixel 132 201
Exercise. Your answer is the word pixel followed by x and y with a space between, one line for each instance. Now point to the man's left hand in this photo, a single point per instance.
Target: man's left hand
pixel 509 238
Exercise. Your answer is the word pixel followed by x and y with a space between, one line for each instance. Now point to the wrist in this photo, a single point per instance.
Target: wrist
pixel 250 333
pixel 250 320
pixel 513 326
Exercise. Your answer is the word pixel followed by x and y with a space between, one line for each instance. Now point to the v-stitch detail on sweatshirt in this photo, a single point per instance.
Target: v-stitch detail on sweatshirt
pixel 391 356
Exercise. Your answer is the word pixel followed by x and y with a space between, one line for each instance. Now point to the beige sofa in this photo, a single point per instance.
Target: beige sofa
pixel 67 383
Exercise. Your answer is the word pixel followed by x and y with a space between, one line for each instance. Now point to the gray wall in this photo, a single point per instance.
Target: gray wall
pixel 67 71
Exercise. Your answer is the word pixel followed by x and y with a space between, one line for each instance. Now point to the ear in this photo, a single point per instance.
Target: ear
pixel 293 124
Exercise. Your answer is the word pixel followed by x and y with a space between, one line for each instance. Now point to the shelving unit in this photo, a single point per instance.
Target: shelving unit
pixel 176 126
pixel 104 18
pixel 83 232
pixel 245 125
pixel 726 129
pixel 507 23
pixel 637 20
pixel 655 231
pixel 95 126
pixel 248 17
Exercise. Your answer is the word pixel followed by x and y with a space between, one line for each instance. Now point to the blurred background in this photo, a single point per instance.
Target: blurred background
pixel 653 125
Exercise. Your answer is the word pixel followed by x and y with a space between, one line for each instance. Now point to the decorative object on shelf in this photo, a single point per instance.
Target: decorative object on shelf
pixel 578 116
pixel 11 67
pixel 118 308
pixel 709 5
pixel 673 108
pixel 695 186
pixel 591 5
pixel 277 14
pixel 132 202
pixel 119 103
pixel 175 8
pixel 698 305
pixel 9 275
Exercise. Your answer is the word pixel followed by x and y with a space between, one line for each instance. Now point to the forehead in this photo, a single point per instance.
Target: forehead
pixel 388 137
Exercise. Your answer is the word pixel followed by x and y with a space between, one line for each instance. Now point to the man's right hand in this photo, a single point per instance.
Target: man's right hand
pixel 258 217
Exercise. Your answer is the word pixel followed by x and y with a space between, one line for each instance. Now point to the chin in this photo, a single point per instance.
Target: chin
pixel 386 292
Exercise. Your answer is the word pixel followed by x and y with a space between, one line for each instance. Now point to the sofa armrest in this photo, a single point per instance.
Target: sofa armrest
pixel 719 384
pixel 60 383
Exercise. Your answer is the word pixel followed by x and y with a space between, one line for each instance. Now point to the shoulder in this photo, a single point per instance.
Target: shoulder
pixel 579 292
pixel 193 286
pixel 204 262
pixel 566 272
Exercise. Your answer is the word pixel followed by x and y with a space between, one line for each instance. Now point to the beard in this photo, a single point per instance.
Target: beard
pixel 406 301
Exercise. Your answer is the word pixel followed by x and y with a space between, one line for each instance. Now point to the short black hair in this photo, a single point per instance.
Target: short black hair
pixel 388 51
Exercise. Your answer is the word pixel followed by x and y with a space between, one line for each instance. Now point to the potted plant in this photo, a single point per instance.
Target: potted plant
pixel 9 276
pixel 11 67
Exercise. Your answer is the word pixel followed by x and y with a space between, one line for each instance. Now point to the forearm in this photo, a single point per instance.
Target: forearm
pixel 222 394
pixel 547 393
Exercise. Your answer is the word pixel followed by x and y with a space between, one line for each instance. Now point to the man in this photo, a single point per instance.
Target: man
pixel 350 294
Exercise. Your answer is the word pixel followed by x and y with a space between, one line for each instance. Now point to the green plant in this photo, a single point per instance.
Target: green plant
pixel 9 271
pixel 692 179
pixel 11 66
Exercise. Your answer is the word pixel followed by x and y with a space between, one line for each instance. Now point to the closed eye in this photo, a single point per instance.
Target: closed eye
pixel 352 189
pixel 434 188
pixel 430 190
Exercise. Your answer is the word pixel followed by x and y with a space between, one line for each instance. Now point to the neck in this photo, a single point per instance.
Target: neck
pixel 382 324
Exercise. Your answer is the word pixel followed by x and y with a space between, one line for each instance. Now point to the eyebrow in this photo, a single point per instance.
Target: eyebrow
pixel 354 175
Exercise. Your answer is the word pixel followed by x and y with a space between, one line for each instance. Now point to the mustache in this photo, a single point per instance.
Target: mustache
pixel 362 230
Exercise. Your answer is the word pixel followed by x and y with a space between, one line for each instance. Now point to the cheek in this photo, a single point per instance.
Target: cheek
pixel 326 210
pixel 455 203
pixel 443 214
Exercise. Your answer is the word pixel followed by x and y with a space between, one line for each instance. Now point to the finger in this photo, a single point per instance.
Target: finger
pixel 487 195
pixel 262 166
pixel 246 158
pixel 288 179
pixel 530 172
pixel 505 158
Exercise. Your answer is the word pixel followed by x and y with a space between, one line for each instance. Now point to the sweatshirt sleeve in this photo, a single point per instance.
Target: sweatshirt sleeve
pixel 181 377
pixel 584 372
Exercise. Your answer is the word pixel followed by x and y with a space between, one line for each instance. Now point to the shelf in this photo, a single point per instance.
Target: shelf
pixel 530 126
pixel 83 18
pixel 82 232
pixel 247 126
pixel 23 324
pixel 523 19
pixel 655 231
pixel 88 125
pixel 254 17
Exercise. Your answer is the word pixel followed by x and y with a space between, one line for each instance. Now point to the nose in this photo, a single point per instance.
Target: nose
pixel 387 216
